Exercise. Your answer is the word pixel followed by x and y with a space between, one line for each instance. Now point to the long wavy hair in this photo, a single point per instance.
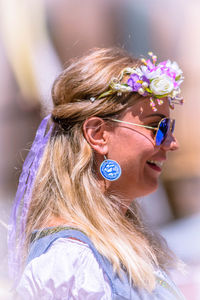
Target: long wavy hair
pixel 66 184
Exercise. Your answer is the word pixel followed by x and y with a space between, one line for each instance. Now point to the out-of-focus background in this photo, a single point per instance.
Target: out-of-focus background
pixel 37 37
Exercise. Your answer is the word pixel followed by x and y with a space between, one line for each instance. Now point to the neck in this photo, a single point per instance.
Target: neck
pixel 125 200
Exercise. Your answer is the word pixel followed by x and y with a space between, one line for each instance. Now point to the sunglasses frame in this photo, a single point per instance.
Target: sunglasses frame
pixel 170 128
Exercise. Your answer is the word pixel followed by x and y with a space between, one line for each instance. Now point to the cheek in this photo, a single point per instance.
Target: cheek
pixel 130 147
pixel 135 152
pixel 139 143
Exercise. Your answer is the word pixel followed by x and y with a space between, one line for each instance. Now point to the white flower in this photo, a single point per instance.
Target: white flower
pixel 161 85
pixel 174 67
pixel 150 74
pixel 137 71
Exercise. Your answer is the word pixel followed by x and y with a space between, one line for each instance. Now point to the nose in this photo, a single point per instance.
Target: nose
pixel 170 144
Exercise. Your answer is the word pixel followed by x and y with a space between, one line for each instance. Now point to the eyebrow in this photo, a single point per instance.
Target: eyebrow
pixel 155 115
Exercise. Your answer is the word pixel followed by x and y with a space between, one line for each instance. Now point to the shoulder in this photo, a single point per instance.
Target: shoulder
pixel 67 269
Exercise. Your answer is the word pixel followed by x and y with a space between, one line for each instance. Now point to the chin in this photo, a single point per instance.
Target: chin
pixel 149 189
pixel 153 188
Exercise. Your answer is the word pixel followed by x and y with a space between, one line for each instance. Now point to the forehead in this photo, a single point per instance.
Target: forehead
pixel 143 109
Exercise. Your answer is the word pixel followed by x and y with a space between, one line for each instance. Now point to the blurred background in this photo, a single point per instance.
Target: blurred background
pixel 37 37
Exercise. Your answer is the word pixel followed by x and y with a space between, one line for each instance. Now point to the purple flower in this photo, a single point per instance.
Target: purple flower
pixel 145 79
pixel 133 82
pixel 150 65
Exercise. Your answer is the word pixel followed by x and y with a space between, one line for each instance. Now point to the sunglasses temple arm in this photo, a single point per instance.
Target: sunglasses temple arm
pixel 129 123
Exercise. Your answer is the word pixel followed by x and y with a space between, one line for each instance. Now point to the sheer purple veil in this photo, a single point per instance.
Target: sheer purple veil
pixel 16 231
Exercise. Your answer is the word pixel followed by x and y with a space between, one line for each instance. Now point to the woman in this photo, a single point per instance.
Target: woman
pixel 77 237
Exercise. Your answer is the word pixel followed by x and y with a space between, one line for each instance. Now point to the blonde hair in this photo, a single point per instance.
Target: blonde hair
pixel 66 185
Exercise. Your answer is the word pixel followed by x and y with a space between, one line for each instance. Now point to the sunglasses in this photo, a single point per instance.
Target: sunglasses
pixel 164 126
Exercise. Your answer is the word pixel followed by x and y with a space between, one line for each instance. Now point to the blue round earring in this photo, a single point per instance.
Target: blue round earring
pixel 110 169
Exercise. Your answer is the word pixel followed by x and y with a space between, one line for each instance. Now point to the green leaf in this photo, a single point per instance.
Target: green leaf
pixel 148 90
pixel 108 93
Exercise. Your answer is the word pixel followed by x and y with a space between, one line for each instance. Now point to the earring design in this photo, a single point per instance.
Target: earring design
pixel 110 169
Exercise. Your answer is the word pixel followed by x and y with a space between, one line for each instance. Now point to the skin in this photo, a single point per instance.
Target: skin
pixel 132 147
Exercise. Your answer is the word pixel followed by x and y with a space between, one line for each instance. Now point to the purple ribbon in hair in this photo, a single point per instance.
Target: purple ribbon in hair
pixel 16 233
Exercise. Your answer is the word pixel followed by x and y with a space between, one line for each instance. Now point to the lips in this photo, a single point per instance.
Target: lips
pixel 155 164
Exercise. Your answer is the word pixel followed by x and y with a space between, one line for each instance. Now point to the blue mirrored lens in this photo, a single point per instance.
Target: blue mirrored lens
pixel 173 126
pixel 162 131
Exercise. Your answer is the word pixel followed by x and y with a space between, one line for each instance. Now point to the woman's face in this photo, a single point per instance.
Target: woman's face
pixel 134 149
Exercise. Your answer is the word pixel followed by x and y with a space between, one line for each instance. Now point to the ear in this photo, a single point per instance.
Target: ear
pixel 96 134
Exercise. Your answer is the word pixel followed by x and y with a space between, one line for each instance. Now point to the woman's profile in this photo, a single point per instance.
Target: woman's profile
pixel 74 232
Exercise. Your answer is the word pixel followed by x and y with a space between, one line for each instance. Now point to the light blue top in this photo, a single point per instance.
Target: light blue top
pixel 120 287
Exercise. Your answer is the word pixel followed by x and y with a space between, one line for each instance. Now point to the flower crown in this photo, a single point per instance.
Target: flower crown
pixel 150 79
